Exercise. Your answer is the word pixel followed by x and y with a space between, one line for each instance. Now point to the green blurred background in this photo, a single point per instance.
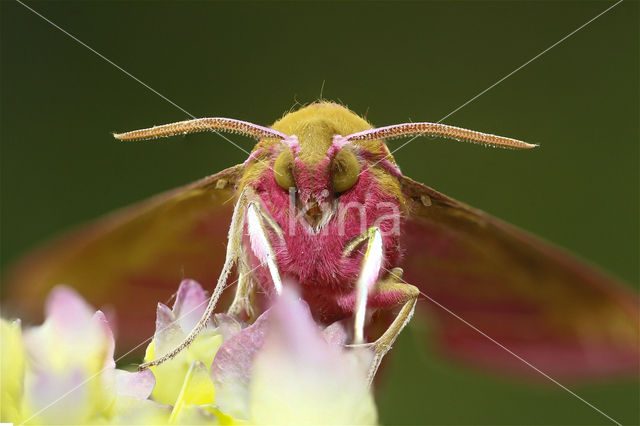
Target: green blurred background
pixel 393 62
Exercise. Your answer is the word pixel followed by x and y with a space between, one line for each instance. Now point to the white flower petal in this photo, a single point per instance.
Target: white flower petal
pixel 299 378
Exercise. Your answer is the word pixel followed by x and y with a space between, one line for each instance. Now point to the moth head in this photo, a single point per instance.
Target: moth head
pixel 347 157
pixel 336 174
pixel 326 167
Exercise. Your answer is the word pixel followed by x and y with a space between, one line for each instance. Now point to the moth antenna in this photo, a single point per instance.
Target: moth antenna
pixel 217 124
pixel 437 129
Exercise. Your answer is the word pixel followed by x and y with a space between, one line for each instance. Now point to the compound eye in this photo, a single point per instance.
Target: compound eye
pixel 283 170
pixel 345 170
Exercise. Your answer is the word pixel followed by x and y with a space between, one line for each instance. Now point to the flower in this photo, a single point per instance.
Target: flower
pixel 299 377
pixel 283 368
pixel 63 371
pixel 172 326
pixel 11 370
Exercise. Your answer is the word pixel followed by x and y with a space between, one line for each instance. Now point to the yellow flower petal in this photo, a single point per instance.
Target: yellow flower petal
pixel 197 389
pixel 11 371
pixel 171 374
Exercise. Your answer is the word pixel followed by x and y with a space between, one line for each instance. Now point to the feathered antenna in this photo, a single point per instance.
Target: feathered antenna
pixel 436 129
pixel 200 125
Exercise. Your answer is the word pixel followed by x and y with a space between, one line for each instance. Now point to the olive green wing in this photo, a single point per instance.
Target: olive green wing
pixel 557 312
pixel 133 258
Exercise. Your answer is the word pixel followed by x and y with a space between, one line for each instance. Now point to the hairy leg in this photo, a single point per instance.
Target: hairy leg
pixel 247 205
pixel 405 294
pixel 244 299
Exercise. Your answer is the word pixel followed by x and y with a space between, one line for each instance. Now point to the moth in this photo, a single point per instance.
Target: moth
pixel 321 202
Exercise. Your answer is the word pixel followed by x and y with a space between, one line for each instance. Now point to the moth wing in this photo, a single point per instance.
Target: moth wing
pixel 134 257
pixel 551 309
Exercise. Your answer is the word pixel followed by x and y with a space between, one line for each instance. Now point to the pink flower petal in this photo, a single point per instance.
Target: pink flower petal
pixel 232 366
pixel 164 317
pixel 191 301
pixel 137 385
pixel 167 333
pixel 234 358
pixel 300 378
pixel 227 325
pixel 336 334
pixel 103 325
pixel 67 309
pixel 292 327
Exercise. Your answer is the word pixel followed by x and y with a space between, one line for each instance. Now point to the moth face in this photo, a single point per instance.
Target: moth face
pixel 317 185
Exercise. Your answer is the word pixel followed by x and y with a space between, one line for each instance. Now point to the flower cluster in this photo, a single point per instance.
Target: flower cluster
pixel 282 369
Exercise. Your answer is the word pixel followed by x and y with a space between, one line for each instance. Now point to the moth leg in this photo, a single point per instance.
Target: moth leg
pixel 234 251
pixel 371 263
pixel 405 294
pixel 243 301
pixel 245 293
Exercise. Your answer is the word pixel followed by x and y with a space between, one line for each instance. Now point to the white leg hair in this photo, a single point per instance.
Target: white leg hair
pixel 371 263
pixel 260 244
